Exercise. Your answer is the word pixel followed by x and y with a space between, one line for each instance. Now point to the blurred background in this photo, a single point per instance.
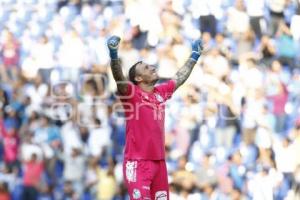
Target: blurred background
pixel 232 130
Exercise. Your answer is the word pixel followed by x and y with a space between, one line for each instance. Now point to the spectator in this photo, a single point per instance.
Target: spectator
pixel 267 50
pixel 238 20
pixel 296 140
pixel 182 176
pixel 279 101
pixel 3 100
pixel 4 192
pixel 262 180
pixel 285 160
pixel 138 38
pixel 214 59
pixel 237 194
pixel 99 139
pixel 208 11
pixel 11 147
pixel 244 45
pixel 224 45
pixel 255 10
pixel 10 54
pixel 74 162
pixel 276 8
pixel 68 191
pixel 265 127
pixel 285 45
pixel 74 59
pixel 91 177
pixel 42 53
pixel 227 115
pixel 107 186
pixel 295 21
pixel 206 174
pixel 33 170
pixel 8 177
pixel 236 170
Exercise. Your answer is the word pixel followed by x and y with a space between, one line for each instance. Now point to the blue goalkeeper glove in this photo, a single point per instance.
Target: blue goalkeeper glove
pixel 113 45
pixel 196 49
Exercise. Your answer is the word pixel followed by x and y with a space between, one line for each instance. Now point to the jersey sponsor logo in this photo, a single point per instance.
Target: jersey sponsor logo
pixel 159 98
pixel 161 195
pixel 131 171
pixel 136 194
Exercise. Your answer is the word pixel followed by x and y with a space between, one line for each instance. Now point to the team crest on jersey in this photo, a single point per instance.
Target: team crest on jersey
pixel 161 195
pixel 131 171
pixel 136 194
pixel 159 98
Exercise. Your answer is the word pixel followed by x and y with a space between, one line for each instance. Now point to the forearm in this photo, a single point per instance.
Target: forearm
pixel 113 44
pixel 118 75
pixel 184 72
pixel 116 70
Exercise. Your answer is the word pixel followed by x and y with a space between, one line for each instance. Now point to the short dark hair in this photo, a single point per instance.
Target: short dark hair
pixel 132 72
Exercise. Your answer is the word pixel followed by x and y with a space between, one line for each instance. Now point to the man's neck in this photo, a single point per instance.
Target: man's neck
pixel 146 87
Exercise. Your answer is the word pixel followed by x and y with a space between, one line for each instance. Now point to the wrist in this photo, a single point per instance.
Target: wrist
pixel 195 55
pixel 113 53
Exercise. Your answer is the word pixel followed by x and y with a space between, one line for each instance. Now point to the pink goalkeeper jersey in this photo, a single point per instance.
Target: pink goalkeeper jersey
pixel 145 117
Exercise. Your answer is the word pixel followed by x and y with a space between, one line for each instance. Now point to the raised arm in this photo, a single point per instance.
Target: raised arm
pixel 113 44
pixel 184 72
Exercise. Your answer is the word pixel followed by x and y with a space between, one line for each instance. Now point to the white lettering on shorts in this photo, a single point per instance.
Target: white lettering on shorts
pixel 131 171
pixel 161 195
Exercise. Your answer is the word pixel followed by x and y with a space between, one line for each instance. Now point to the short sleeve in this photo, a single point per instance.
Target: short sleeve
pixel 166 89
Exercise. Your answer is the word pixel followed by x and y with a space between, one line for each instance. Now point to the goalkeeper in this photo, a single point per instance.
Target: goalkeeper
pixel 144 166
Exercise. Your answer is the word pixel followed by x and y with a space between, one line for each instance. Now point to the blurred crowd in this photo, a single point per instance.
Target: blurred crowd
pixel 232 130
